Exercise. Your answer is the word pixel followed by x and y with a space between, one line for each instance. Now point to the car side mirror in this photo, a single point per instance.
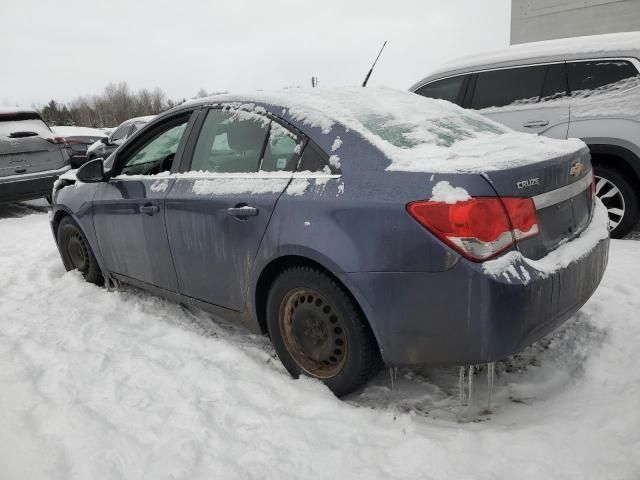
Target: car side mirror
pixel 105 140
pixel 92 171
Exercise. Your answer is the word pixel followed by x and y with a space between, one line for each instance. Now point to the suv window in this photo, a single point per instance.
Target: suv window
pixel 11 124
pixel 498 88
pixel 230 142
pixel 157 154
pixel 555 82
pixel 600 75
pixel 448 89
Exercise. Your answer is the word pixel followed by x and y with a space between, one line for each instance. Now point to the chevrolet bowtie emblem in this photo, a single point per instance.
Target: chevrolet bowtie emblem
pixel 576 168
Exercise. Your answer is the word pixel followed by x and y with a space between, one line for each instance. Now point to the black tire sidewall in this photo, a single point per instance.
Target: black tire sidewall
pixel 65 229
pixel 356 370
pixel 630 218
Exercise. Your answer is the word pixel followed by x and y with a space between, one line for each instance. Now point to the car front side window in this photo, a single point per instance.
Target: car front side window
pixel 157 154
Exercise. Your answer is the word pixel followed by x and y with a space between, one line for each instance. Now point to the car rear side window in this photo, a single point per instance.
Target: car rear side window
pixel 555 82
pixel 498 88
pixel 449 89
pixel 231 142
pixel 315 160
pixel 600 76
pixel 282 150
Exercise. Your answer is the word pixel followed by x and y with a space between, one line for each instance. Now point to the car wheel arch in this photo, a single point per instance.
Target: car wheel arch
pixel 617 157
pixel 270 272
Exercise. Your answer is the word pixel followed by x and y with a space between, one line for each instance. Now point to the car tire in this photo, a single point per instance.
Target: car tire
pixel 76 252
pixel 317 330
pixel 620 198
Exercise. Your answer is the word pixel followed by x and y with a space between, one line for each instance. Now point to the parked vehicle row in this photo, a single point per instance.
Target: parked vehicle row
pixel 356 227
pixel 587 87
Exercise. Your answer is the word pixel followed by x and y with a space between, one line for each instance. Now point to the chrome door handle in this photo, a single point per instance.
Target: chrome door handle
pixel 244 211
pixel 536 124
pixel 149 209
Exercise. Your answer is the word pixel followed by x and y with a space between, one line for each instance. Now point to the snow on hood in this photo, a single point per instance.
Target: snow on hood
pixel 417 134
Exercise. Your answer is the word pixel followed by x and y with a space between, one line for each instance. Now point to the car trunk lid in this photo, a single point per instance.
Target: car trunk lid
pixel 24 147
pixel 560 190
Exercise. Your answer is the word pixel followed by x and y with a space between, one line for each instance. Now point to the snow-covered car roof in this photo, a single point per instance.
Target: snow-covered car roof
pixel 625 44
pixel 416 133
pixel 78 132
pixel 9 110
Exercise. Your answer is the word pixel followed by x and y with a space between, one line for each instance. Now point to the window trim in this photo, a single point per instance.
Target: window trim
pixel 633 60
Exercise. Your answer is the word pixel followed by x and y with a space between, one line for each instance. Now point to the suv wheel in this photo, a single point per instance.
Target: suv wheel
pixel 318 331
pixel 618 195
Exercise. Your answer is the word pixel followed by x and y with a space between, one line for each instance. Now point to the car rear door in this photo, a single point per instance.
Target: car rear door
pixel 128 210
pixel 27 145
pixel 217 211
pixel 528 99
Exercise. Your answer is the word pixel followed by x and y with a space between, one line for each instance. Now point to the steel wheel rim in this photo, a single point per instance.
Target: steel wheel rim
pixel 313 333
pixel 611 196
pixel 78 252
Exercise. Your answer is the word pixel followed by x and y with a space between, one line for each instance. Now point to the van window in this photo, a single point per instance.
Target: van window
pixel 498 88
pixel 599 76
pixel 555 82
pixel 448 89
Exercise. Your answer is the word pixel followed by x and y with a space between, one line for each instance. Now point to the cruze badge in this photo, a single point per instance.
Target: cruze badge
pixel 576 168
pixel 528 183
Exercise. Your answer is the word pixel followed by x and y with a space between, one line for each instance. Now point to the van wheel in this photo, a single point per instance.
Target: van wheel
pixel 76 252
pixel 318 331
pixel 619 196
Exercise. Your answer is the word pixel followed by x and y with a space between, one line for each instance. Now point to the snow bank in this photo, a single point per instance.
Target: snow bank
pixel 417 134
pixel 511 264
pixel 444 192
pixel 99 384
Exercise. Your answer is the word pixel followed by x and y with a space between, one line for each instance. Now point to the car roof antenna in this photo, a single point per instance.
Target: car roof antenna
pixel 364 84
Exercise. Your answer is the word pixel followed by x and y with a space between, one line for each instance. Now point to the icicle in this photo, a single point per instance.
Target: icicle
pixel 471 368
pixel 491 370
pixel 393 373
pixel 461 384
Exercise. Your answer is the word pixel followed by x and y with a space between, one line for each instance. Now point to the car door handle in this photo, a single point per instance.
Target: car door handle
pixel 536 124
pixel 149 209
pixel 20 170
pixel 243 211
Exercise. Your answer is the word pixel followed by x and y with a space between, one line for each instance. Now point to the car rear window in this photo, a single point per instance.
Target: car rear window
pixel 600 76
pixel 15 123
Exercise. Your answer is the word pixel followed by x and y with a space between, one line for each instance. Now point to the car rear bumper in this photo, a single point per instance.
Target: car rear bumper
pixel 463 316
pixel 29 186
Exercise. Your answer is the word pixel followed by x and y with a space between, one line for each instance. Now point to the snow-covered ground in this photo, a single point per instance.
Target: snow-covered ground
pixel 97 384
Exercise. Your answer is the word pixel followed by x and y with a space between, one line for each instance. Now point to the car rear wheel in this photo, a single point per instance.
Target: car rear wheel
pixel 318 331
pixel 76 252
pixel 618 195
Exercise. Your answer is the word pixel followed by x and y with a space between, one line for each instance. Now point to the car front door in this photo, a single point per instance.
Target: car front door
pixel 128 210
pixel 217 211
pixel 529 99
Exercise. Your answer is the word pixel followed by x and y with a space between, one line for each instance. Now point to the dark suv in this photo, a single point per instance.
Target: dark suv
pixel 32 157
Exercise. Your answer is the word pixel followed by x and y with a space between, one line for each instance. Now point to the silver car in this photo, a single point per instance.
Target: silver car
pixel 32 157
pixel 107 145
pixel 585 87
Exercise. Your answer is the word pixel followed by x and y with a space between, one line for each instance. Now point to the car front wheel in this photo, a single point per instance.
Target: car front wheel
pixel 76 252
pixel 620 198
pixel 318 331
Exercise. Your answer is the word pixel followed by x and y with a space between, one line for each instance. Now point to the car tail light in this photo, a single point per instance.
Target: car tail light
pixel 68 141
pixel 57 140
pixel 479 228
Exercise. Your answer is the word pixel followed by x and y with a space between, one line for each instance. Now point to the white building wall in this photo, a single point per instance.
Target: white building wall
pixel 533 20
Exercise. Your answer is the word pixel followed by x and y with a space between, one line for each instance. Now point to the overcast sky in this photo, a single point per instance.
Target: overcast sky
pixel 68 48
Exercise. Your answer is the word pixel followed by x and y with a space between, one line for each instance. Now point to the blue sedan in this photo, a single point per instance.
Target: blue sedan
pixel 357 227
